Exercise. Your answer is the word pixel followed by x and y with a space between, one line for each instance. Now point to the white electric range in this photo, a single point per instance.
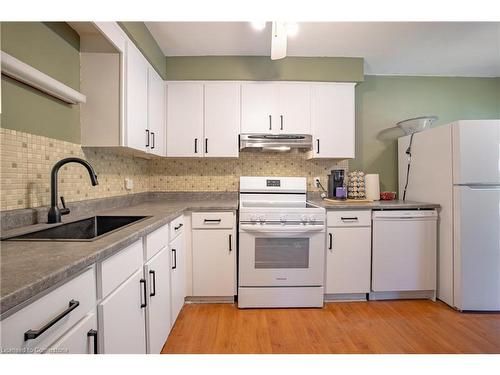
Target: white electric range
pixel 281 244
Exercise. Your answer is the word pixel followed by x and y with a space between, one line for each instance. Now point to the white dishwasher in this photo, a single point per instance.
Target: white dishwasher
pixel 404 251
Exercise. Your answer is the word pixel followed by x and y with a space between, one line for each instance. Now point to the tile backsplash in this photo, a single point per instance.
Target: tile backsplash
pixel 27 159
pixel 216 174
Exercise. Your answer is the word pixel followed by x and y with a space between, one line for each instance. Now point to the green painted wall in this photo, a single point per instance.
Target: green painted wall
pixel 53 48
pixel 336 69
pixel 382 101
pixel 142 38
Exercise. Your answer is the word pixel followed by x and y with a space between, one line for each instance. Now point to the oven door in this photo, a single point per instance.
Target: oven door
pixel 281 256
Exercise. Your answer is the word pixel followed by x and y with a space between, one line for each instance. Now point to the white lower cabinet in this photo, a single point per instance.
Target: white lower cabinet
pixel 122 317
pixel 157 271
pixel 177 275
pixel 36 327
pixel 214 262
pixel 81 339
pixel 348 255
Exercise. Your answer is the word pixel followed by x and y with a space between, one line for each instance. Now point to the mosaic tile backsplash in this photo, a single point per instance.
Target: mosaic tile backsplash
pixel 216 174
pixel 26 162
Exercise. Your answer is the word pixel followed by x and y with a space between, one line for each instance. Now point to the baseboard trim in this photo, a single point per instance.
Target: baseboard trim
pixel 211 299
pixel 415 294
pixel 345 297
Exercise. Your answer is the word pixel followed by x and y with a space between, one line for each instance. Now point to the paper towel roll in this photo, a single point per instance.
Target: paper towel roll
pixel 372 184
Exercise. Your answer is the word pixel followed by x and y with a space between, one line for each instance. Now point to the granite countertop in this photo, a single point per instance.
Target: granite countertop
pixel 31 267
pixel 376 205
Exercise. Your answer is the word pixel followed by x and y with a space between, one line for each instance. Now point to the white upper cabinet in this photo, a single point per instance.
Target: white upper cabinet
pixel 184 119
pixel 125 95
pixel 258 108
pixel 332 118
pixel 137 99
pixel 156 114
pixel 222 119
pixel 294 108
pixel 273 108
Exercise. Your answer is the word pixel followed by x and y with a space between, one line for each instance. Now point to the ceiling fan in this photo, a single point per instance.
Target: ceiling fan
pixel 280 32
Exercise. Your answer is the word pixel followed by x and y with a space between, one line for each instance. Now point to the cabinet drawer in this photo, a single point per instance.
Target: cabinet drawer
pixel 116 269
pixel 176 227
pixel 79 339
pixel 208 220
pixel 359 218
pixel 80 291
pixel 157 240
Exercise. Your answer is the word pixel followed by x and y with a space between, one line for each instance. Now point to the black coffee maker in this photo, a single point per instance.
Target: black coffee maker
pixel 335 180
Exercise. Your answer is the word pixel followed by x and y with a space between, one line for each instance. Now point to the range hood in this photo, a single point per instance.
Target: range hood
pixel 275 142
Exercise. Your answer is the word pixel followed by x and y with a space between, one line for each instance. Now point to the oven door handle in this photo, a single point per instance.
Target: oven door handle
pixel 281 228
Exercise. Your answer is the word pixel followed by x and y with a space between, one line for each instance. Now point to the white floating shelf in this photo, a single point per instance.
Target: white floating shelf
pixel 25 73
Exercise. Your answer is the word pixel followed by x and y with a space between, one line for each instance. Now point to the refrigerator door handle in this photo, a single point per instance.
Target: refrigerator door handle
pixel 493 188
pixel 480 186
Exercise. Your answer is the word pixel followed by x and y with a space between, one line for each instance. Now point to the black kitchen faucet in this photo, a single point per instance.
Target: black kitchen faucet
pixel 54 212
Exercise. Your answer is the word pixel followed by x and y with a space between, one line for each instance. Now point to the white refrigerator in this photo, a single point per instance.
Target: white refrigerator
pixel 458 166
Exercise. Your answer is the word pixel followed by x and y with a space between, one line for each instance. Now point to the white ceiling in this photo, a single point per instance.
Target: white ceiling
pixel 407 48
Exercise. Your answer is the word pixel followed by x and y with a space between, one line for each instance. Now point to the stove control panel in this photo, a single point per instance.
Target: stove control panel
pixel 273 183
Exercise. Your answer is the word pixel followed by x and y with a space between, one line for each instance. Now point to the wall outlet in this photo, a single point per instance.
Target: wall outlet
pixel 316 182
pixel 129 184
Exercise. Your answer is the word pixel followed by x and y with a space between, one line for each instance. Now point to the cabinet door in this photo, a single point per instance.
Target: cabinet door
pixel 137 99
pixel 258 108
pixel 157 272
pixel 184 119
pixel 332 116
pixel 122 318
pixel 214 262
pixel 294 108
pixel 177 275
pixel 156 113
pixel 81 339
pixel 222 119
pixel 348 260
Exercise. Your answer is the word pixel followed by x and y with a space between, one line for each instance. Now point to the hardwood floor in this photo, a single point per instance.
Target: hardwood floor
pixel 417 326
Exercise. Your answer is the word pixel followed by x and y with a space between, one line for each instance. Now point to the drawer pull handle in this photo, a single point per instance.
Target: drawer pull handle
pixel 349 218
pixel 153 292
pixel 143 282
pixel 230 242
pixel 93 333
pixel 175 259
pixel 330 246
pixel 212 220
pixel 178 226
pixel 34 333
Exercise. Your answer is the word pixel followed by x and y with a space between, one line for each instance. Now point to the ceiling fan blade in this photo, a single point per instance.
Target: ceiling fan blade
pixel 278 41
